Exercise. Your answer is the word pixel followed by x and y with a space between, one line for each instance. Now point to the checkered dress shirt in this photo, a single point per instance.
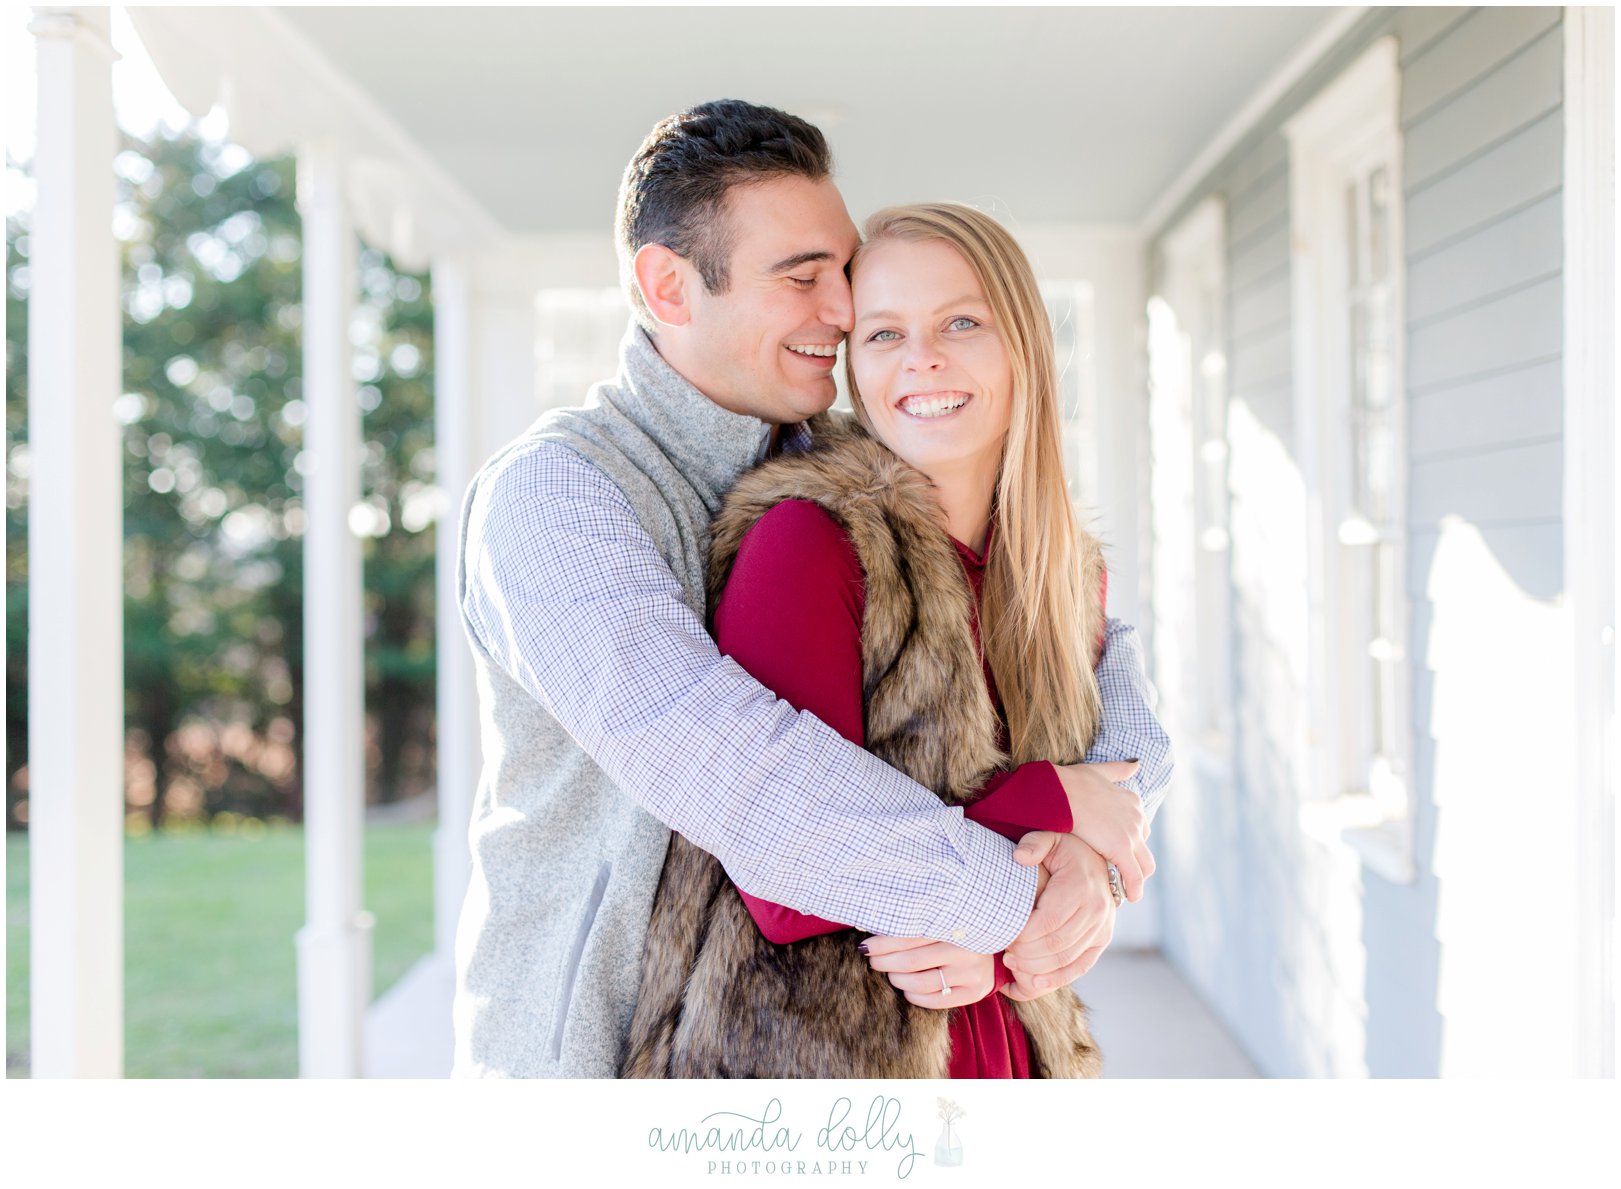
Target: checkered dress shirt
pixel 568 593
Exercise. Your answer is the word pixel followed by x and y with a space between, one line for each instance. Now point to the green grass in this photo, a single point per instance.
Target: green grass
pixel 210 975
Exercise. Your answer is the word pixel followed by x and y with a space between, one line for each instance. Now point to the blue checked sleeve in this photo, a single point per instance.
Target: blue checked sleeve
pixel 568 594
pixel 1129 730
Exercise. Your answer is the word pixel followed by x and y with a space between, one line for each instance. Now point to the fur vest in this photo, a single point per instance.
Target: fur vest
pixel 719 1000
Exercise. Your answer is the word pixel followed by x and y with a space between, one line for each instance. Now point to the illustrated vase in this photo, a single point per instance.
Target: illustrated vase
pixel 948 1148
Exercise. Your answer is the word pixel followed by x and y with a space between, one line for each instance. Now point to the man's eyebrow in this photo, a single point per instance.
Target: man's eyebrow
pixel 964 300
pixel 792 262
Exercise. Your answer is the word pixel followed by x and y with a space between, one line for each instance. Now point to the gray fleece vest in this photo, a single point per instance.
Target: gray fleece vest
pixel 565 864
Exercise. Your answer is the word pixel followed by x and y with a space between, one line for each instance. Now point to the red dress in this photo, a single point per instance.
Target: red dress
pixel 791 615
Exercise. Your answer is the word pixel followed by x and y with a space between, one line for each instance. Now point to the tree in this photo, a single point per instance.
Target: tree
pixel 213 428
pixel 16 514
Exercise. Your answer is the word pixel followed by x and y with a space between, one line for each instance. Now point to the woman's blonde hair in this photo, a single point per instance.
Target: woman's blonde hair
pixel 1031 620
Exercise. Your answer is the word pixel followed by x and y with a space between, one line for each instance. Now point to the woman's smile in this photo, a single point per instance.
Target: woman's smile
pixel 929 406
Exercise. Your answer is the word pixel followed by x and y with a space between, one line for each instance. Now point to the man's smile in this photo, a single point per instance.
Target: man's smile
pixel 819 354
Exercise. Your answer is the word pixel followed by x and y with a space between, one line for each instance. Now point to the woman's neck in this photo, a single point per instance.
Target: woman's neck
pixel 965 492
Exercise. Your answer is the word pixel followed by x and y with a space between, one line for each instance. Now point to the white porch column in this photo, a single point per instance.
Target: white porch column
pixel 75 581
pixel 485 378
pixel 455 432
pixel 334 947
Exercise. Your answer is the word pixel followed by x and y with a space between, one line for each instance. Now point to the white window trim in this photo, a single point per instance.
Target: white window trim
pixel 1195 261
pixel 1353 115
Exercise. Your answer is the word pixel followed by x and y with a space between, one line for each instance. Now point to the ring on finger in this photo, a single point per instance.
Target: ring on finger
pixel 945 987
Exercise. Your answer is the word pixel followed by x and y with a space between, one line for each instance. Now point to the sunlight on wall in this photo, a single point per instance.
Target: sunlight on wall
pixel 1311 937
pixel 1269 552
pixel 1504 833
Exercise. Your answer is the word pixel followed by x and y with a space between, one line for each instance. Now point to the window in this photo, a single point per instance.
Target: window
pixel 1345 191
pixel 577 341
pixel 1069 306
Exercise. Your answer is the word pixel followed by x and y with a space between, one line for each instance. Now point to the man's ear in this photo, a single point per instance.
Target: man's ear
pixel 663 277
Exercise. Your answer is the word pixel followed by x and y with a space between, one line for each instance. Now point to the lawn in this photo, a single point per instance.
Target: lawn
pixel 210 976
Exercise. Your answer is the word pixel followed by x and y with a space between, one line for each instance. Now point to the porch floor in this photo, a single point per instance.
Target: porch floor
pixel 1147 1020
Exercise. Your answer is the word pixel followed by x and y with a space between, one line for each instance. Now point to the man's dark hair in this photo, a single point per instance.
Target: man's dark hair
pixel 674 189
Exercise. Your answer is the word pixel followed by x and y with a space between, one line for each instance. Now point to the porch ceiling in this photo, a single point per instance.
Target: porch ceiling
pixel 1044 114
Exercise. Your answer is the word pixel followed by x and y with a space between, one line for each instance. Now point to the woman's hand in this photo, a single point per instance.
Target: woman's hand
pixel 1110 819
pixel 915 966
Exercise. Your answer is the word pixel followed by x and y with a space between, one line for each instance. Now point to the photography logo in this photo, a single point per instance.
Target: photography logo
pixel 837 1139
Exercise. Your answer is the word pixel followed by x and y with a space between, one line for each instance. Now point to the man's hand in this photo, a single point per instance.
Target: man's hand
pixel 915 966
pixel 1110 819
pixel 1072 922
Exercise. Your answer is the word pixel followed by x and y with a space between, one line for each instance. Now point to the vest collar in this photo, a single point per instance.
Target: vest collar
pixel 710 446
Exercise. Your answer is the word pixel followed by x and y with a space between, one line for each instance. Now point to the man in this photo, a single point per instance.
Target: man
pixel 608 715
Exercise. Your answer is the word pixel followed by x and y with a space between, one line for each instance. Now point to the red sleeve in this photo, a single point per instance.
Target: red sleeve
pixel 1001 976
pixel 791 616
pixel 1028 798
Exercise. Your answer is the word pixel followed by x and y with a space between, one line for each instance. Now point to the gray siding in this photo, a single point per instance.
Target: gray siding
pixel 1514 173
pixel 1433 72
pixel 1262 259
pixel 1482 127
pixel 1502 256
pixel 1520 405
pixel 1503 332
pixel 1261 210
pixel 1483 130
pixel 1512 96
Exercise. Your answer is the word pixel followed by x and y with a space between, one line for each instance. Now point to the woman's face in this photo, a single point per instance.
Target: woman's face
pixel 928 358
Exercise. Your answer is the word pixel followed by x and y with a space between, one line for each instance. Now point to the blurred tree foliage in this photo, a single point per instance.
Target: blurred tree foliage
pixel 213 415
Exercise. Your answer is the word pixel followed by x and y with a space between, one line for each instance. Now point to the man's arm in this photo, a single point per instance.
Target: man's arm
pixel 1128 729
pixel 567 593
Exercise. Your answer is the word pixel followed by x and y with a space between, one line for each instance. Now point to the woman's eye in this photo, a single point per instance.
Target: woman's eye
pixel 882 336
pixel 963 323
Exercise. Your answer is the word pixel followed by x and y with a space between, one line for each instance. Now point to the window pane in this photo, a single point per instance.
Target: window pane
pixel 1379 225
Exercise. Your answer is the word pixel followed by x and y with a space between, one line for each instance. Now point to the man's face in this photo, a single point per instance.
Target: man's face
pixel 767 346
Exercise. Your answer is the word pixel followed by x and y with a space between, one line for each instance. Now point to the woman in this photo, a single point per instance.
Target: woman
pixel 853 579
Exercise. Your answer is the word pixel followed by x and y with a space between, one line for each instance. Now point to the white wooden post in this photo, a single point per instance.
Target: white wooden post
pixel 75 582
pixel 505 325
pixel 458 758
pixel 485 377
pixel 334 947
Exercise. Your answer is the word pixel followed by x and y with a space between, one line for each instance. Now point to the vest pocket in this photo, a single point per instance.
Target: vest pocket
pixel 571 971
